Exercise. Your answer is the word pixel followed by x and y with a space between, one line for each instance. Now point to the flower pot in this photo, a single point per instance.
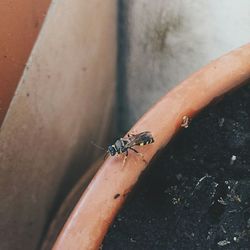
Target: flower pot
pixel 45 136
pixel 195 194
pixel 20 25
pixel 95 211
pixel 68 205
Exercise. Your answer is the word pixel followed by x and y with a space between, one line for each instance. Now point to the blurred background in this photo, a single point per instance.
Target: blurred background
pixel 72 72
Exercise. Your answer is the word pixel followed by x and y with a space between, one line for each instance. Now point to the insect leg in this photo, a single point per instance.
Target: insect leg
pixel 130 135
pixel 135 150
pixel 125 158
pixel 105 156
pixel 141 155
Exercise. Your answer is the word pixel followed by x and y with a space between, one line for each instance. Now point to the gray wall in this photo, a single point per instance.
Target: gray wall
pixel 163 41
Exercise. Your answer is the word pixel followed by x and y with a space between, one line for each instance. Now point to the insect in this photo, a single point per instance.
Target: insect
pixel 123 145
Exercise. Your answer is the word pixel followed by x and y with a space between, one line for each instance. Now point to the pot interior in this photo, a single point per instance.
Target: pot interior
pixel 196 193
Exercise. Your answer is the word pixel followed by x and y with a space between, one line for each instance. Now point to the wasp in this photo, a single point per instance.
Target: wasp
pixel 123 145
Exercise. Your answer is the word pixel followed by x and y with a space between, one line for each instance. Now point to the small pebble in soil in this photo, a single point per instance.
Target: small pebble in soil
pixel 132 240
pixel 223 243
pixel 221 122
pixel 233 159
pixel 221 201
pixel 235 239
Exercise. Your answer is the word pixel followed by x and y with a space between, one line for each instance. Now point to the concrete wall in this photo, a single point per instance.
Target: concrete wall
pixel 164 41
pixel 64 100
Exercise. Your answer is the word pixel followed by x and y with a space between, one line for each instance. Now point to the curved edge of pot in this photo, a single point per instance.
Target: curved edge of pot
pixel 68 204
pixel 96 209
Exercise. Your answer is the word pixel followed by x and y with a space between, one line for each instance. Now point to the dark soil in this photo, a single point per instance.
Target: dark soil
pixel 196 194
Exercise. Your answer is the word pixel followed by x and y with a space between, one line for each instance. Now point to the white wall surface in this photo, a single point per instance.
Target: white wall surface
pixel 167 40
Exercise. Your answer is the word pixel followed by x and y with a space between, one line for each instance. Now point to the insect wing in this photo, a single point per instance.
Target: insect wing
pixel 138 139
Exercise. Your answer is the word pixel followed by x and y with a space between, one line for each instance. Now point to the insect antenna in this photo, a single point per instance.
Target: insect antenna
pixel 97 146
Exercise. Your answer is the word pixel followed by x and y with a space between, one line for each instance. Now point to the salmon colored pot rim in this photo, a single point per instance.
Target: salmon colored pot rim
pixel 95 211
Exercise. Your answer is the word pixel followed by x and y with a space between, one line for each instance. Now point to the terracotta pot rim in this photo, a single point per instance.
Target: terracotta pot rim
pixel 95 211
